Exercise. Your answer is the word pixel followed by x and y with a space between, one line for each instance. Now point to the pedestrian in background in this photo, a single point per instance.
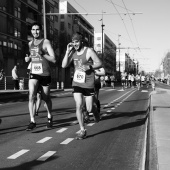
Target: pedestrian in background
pixel 15 78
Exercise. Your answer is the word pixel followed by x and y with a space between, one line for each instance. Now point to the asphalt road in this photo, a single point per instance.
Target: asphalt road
pixel 117 142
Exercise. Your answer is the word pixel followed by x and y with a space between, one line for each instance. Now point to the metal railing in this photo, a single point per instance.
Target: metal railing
pixel 7 83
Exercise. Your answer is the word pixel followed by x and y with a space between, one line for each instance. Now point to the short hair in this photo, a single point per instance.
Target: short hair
pixel 78 36
pixel 36 23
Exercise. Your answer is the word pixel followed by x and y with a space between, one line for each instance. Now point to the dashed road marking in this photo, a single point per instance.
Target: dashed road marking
pixel 90 113
pixel 68 140
pixel 144 91
pixel 90 124
pixel 78 131
pixel 61 130
pixel 16 155
pixel 108 110
pixel 112 108
pixel 44 140
pixel 46 155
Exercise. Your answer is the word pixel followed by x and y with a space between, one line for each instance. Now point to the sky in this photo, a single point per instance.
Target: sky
pixel 148 29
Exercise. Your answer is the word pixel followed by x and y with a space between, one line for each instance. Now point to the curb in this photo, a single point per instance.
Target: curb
pixel 151 160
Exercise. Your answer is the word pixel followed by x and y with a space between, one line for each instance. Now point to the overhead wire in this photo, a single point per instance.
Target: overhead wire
pixel 122 20
pixel 131 23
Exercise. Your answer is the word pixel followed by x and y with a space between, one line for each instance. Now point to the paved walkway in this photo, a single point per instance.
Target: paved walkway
pixel 160 122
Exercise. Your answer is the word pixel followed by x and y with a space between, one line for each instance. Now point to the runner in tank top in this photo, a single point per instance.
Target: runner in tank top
pixel 83 80
pixel 41 53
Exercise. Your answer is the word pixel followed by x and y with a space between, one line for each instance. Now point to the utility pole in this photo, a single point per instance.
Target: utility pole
pixel 119 53
pixel 102 36
pixel 44 19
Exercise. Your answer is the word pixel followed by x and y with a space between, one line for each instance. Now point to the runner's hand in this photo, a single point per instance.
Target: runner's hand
pixel 27 58
pixel 69 47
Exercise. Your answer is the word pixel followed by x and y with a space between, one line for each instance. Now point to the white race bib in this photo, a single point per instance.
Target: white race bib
pixel 79 76
pixel 37 68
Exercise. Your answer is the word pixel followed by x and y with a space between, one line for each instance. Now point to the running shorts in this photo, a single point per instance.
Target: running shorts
pixel 84 91
pixel 43 80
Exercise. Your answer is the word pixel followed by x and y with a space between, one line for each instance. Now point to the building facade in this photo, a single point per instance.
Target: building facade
pixel 109 52
pixel 126 63
pixel 16 18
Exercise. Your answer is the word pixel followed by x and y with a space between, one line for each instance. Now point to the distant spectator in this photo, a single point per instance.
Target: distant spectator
pixel 15 78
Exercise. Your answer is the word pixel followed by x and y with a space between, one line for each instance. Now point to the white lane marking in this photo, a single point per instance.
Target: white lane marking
pixel 74 122
pixel 44 140
pixel 143 157
pixel 108 110
pixel 61 130
pixel 90 124
pixel 46 155
pixel 78 131
pixel 119 97
pixel 90 113
pixel 16 155
pixel 104 114
pixel 68 140
pixel 112 108
pixel 121 90
pixel 118 104
pixel 106 105
pixel 144 91
pixel 110 89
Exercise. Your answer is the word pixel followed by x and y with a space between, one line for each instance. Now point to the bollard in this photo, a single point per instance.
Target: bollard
pixel 62 85
pixel 57 85
pixel 5 83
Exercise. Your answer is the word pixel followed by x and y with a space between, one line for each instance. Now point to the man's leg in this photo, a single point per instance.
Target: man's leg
pixel 46 97
pixel 92 107
pixel 33 84
pixel 78 97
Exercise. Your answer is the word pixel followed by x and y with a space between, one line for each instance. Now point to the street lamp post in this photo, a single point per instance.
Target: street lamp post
pixel 119 53
pixel 102 39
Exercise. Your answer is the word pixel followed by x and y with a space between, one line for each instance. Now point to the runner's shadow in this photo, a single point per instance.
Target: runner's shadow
pixel 31 164
pixel 138 122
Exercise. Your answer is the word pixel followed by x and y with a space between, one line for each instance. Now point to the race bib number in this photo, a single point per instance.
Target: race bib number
pixel 37 68
pixel 79 76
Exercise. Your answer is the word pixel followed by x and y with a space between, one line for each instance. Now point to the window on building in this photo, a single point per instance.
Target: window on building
pixel 17 12
pixel 98 38
pixel 56 4
pixel 34 1
pixel 56 18
pixel 69 25
pixel 98 45
pixel 62 26
pixel 62 16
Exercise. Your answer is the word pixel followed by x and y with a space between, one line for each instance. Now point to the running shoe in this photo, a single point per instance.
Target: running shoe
pixel 86 119
pixel 81 135
pixel 50 123
pixel 31 126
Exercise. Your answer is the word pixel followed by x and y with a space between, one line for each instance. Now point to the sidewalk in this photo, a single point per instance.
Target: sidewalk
pixel 159 130
pixel 5 94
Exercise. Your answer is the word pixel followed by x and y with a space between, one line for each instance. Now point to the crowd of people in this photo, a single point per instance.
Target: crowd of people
pixel 138 80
